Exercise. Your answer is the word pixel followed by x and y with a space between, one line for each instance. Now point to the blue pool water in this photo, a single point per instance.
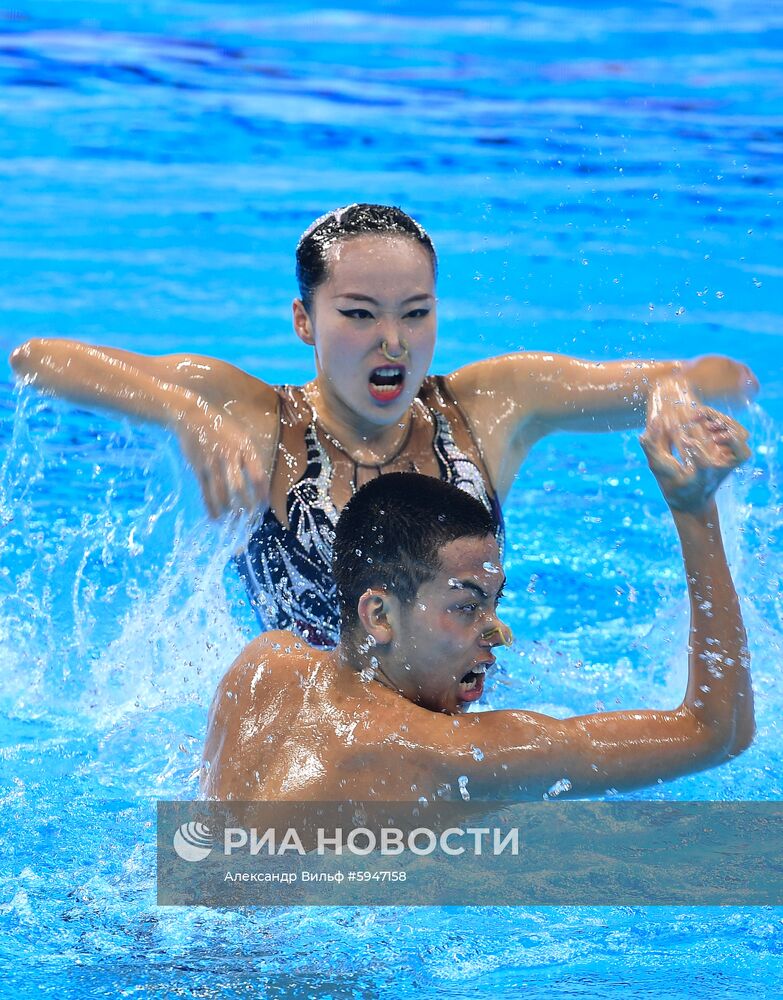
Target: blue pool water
pixel 599 181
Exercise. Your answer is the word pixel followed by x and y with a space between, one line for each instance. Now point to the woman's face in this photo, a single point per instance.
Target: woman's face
pixel 379 292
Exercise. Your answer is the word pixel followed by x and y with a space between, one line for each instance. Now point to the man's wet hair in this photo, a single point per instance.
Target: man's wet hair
pixel 345 223
pixel 390 533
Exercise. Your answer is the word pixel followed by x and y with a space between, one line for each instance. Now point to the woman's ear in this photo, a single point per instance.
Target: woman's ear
pixel 373 611
pixel 302 323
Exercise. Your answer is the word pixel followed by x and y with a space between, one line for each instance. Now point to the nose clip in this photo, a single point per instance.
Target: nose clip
pixel 503 631
pixel 394 357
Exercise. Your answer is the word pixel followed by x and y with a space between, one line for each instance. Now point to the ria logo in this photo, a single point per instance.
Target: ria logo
pixel 193 841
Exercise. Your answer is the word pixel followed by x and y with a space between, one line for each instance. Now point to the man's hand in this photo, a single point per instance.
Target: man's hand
pixel 691 448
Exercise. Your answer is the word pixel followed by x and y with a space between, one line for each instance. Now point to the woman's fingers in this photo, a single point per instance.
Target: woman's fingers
pixel 257 477
pixel 230 472
pixel 252 480
pixel 205 482
pixel 244 482
pixel 238 496
pixel 220 488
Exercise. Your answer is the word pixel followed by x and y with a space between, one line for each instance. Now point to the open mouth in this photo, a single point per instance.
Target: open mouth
pixel 471 687
pixel 386 383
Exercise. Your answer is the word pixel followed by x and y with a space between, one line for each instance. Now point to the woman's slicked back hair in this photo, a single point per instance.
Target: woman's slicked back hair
pixel 344 223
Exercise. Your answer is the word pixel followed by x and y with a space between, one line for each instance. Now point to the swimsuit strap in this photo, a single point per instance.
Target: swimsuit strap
pixel 440 401
pixel 468 473
pixel 296 421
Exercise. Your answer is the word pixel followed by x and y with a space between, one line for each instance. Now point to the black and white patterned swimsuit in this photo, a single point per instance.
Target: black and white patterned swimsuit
pixel 287 570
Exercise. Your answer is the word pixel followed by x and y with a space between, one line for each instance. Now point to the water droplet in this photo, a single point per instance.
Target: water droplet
pixel 478 753
pixel 561 785
pixel 462 781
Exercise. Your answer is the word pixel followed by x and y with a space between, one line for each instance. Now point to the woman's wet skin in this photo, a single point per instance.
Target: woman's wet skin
pixel 379 294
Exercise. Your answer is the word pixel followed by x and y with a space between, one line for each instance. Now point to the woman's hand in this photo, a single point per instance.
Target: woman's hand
pixel 225 459
pixel 691 448
pixel 721 379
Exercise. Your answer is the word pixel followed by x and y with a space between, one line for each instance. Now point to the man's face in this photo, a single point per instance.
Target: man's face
pixel 443 641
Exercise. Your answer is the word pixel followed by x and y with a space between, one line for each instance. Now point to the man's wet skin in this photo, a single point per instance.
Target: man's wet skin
pixel 382 717
pixel 315 726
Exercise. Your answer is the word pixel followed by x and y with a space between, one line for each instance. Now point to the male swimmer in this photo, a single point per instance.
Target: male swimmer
pixel 419 577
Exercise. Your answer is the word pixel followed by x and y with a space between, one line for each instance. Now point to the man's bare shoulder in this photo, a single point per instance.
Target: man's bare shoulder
pixel 276 656
pixel 262 673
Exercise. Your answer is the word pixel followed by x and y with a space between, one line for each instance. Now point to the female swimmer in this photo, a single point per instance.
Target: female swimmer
pixel 293 455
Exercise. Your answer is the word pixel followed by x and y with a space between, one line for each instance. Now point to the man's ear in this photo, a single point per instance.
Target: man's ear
pixel 374 611
pixel 302 323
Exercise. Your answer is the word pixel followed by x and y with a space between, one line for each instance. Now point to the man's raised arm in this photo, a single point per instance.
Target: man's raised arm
pixel 526 753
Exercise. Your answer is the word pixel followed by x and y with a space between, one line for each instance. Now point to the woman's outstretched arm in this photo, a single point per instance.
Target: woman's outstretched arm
pixel 514 400
pixel 225 419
